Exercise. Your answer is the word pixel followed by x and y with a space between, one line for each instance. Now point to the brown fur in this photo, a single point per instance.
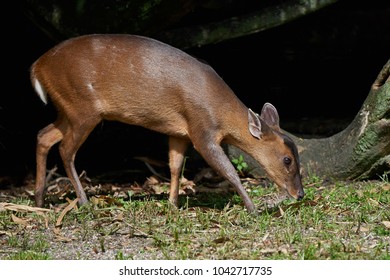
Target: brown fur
pixel 141 81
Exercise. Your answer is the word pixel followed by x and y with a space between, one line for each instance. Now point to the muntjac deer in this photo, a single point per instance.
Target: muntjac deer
pixel 144 82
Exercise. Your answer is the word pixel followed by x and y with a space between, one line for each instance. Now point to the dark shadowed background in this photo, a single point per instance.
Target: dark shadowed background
pixel 316 70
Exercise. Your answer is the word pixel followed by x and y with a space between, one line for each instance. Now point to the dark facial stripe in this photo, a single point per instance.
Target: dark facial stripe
pixel 290 143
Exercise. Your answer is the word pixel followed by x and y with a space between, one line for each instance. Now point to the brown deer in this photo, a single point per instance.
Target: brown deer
pixel 141 81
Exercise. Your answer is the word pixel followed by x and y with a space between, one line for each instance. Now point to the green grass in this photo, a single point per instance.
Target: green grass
pixel 345 220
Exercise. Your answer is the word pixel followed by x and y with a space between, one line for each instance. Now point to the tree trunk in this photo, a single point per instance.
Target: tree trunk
pixel 360 151
pixel 64 19
pixel 234 27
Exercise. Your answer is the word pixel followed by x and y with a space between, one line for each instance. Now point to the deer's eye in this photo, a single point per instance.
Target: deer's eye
pixel 287 161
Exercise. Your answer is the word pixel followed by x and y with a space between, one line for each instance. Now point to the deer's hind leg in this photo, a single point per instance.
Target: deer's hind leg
pixel 47 137
pixel 73 137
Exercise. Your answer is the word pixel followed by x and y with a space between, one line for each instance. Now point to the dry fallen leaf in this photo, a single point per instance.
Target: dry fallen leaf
pixel 61 238
pixel 364 229
pixel 2 232
pixel 386 223
pixel 373 202
pixel 360 228
pixel 386 188
pixel 21 208
pixel 269 250
pixel 25 209
pixel 19 221
pixel 281 211
pixel 57 231
pixel 265 236
pixel 221 240
pixel 66 210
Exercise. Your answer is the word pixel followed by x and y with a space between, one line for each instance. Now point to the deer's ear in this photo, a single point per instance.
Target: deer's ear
pixel 256 127
pixel 270 115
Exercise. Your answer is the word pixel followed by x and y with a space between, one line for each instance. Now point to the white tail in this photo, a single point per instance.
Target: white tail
pixel 41 93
